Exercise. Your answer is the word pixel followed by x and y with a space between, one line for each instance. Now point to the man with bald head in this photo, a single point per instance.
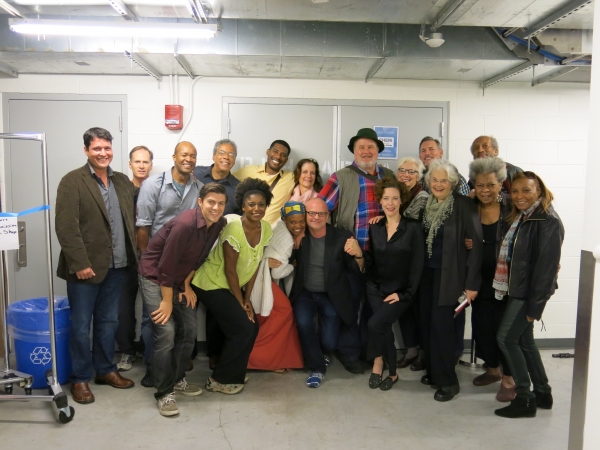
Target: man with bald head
pixel 321 286
pixel 487 147
pixel 162 197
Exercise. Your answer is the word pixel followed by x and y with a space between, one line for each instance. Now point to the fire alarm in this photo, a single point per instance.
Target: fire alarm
pixel 174 117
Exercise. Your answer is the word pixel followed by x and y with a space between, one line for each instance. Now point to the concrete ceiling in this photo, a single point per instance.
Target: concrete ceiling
pixel 335 39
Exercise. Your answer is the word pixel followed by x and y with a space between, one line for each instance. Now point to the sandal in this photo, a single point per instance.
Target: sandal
pixel 387 384
pixel 374 380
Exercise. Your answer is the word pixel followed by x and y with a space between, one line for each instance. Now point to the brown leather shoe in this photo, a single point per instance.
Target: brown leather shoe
pixel 506 394
pixel 405 362
pixel 114 379
pixel 486 378
pixel 417 365
pixel 81 393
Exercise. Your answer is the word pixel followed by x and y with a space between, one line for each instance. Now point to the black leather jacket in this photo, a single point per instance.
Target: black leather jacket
pixel 535 260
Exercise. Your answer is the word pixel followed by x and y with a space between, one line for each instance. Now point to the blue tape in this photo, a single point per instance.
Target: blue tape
pixel 27 211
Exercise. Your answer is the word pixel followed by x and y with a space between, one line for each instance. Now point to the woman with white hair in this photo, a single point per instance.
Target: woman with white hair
pixel 451 273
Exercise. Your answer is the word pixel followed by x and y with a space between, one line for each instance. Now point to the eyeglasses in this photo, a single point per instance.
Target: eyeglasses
pixel 224 153
pixel 435 180
pixel 316 213
pixel 408 171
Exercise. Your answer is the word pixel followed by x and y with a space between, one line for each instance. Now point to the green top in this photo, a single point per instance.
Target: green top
pixel 211 274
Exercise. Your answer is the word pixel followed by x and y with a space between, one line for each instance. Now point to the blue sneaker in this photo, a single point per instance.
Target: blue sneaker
pixel 315 379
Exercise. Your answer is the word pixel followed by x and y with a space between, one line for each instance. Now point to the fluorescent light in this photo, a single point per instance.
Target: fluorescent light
pixel 111 28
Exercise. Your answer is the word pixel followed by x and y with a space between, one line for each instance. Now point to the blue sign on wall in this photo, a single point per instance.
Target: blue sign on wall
pixel 389 137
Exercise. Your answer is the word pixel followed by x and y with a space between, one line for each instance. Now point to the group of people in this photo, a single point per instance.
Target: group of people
pixel 293 272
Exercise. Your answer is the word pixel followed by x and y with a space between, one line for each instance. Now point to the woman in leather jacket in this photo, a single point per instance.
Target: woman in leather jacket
pixel 526 273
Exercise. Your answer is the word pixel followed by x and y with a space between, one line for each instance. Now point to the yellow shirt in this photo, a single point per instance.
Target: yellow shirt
pixel 281 192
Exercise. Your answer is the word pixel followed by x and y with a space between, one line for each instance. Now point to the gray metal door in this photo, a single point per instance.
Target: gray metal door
pixel 413 124
pixel 309 129
pixel 64 122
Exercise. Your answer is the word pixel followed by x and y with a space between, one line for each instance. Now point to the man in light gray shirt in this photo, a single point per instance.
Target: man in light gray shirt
pixel 162 197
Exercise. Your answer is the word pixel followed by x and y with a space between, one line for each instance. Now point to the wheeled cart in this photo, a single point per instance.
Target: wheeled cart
pixel 10 378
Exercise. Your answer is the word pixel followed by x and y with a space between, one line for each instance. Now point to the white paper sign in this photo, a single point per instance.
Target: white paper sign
pixel 9 233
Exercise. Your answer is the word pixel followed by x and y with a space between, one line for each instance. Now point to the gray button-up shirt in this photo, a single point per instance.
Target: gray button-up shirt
pixel 113 208
pixel 159 201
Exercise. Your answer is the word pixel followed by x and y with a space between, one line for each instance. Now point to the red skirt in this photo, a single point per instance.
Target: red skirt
pixel 277 345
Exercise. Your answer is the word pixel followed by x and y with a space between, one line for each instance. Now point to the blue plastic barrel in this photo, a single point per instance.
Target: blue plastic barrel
pixel 28 324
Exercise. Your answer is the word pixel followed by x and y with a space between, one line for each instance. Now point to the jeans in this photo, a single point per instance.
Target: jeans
pixel 515 339
pixel 125 336
pixel 353 338
pixel 305 306
pixel 147 337
pixel 100 303
pixel 173 341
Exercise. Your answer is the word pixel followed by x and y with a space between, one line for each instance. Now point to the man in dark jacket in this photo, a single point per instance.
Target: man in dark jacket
pixel 95 229
pixel 321 286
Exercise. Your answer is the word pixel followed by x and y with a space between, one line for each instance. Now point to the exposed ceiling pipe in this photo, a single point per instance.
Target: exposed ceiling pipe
pixel 533 47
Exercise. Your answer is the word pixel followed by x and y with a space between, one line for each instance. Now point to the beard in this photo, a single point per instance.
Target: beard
pixel 366 165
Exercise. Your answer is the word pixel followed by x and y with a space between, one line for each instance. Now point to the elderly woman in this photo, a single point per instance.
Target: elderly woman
pixel 526 273
pixel 451 272
pixel 307 180
pixel 277 347
pixel 225 281
pixel 410 172
pixel 494 206
pixel 393 263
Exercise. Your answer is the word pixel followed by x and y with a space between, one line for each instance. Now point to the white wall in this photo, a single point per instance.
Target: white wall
pixel 543 129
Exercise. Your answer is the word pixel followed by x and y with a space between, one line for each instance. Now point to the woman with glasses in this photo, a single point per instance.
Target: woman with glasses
pixel 410 172
pixel 451 273
pixel 307 180
pixel 494 206
pixel 526 274
pixel 277 347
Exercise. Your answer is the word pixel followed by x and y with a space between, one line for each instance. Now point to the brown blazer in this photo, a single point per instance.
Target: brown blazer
pixel 83 228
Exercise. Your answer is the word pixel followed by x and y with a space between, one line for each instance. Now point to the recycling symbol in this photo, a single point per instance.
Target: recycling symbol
pixel 40 355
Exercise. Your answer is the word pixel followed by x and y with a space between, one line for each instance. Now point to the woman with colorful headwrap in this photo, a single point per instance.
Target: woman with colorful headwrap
pixel 277 346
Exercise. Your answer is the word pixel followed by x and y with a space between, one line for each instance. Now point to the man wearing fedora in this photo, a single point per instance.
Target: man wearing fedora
pixel 350 196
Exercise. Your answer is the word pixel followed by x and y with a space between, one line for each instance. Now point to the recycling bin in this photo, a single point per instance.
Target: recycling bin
pixel 29 325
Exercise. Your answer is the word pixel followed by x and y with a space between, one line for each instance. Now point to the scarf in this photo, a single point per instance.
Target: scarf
pixel 500 283
pixel 435 215
pixel 413 193
pixel 302 198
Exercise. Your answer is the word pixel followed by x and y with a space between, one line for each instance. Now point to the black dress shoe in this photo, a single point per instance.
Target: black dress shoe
pixel 425 379
pixel 354 367
pixel 417 365
pixel 374 380
pixel 543 400
pixel 387 384
pixel 446 393
pixel 405 362
pixel 147 381
pixel 519 407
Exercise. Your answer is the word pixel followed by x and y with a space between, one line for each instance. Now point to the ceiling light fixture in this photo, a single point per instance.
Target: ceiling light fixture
pixel 114 29
pixel 434 40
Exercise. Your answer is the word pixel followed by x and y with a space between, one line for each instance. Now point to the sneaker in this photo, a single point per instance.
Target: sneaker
pixel 185 388
pixel 167 405
pixel 126 362
pixel 229 389
pixel 147 381
pixel 327 360
pixel 315 379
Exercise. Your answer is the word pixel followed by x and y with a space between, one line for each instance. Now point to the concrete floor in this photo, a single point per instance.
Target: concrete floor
pixel 277 411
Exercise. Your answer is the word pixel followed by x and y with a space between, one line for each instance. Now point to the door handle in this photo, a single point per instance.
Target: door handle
pixel 22 250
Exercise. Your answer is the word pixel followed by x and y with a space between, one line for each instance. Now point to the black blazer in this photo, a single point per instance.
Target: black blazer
pixel 461 268
pixel 337 265
pixel 396 265
pixel 535 258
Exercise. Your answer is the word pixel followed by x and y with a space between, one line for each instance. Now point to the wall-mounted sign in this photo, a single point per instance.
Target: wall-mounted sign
pixel 389 137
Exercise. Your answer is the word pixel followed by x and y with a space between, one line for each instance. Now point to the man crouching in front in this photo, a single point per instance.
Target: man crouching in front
pixel 166 269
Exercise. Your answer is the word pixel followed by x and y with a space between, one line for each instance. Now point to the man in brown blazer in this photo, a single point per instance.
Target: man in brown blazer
pixel 95 229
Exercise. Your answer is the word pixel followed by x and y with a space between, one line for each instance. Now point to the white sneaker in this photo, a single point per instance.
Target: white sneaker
pixel 126 362
pixel 167 405
pixel 229 389
pixel 185 388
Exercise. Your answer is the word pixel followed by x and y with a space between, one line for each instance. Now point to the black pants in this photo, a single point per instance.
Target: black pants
pixel 485 319
pixel 352 338
pixel 125 335
pixel 240 334
pixel 438 332
pixel 215 339
pixel 409 324
pixel 381 336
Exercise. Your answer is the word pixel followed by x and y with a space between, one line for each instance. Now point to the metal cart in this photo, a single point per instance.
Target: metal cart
pixel 9 377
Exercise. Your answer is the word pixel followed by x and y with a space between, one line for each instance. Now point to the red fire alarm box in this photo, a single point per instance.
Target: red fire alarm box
pixel 174 117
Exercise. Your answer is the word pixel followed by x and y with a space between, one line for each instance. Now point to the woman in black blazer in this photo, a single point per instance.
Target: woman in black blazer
pixel 393 264
pixel 450 271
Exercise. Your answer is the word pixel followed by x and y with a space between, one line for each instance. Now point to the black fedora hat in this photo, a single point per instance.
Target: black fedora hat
pixel 365 133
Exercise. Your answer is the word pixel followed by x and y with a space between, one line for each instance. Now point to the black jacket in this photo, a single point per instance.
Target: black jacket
pixel 337 265
pixel 396 265
pixel 461 268
pixel 535 260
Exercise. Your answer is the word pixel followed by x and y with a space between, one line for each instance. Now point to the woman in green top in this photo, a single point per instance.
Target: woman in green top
pixel 224 284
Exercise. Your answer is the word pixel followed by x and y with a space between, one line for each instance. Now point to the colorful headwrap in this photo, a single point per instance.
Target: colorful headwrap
pixel 291 208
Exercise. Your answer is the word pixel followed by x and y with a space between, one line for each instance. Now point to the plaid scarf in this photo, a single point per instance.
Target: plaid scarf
pixel 500 283
pixel 435 215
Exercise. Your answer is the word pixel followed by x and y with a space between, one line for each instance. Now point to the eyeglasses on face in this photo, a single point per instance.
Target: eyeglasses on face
pixel 224 153
pixel 408 171
pixel 316 213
